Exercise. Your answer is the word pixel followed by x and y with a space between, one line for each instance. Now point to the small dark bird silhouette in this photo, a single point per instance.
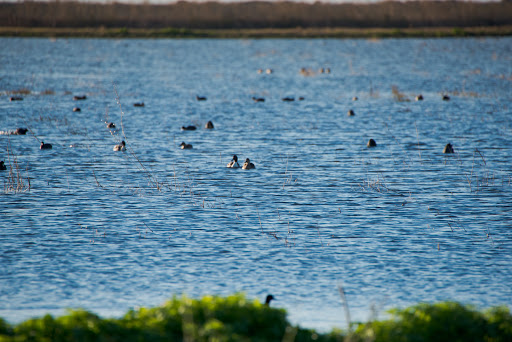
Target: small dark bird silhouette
pixel 20 131
pixel 44 146
pixel 371 143
pixel 185 146
pixel 268 299
pixel 15 98
pixel 78 98
pixel 138 104
pixel 258 99
pixel 288 99
pixel 77 109
pixel 351 113
pixel 2 166
pixel 200 98
pixel 110 125
pixel 446 98
pixel 188 128
pixel 448 148
pixel 209 125
pixel 419 97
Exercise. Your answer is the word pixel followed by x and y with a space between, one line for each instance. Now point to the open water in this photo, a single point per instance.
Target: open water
pixel 393 225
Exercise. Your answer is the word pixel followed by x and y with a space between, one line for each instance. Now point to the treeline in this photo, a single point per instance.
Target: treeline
pixel 256 14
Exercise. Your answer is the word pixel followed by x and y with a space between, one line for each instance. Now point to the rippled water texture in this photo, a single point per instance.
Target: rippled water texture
pixel 395 224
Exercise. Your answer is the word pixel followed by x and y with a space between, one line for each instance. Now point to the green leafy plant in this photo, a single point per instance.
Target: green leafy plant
pixel 235 318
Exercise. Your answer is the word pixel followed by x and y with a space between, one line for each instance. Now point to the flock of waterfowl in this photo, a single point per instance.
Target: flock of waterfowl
pixel 233 164
pixel 209 125
pixel 248 165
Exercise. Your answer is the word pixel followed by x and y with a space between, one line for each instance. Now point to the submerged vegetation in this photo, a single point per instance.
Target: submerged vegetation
pixel 236 318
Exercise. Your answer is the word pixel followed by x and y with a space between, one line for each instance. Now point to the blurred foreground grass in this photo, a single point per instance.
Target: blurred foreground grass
pixel 235 318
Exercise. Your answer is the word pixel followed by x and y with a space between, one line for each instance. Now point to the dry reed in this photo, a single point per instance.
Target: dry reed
pixel 15 182
pixel 177 18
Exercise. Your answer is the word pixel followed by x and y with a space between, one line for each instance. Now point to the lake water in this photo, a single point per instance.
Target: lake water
pixel 394 225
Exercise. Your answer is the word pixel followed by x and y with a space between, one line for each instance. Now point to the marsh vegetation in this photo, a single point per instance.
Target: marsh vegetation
pixel 257 19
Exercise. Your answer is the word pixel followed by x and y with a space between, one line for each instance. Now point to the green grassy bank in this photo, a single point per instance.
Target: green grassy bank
pixel 369 33
pixel 235 318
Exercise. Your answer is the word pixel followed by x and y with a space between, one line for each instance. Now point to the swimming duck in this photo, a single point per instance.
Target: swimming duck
pixel 419 97
pixel 209 125
pixel 351 113
pixel 306 72
pixel 138 104
pixel 371 143
pixel 200 98
pixel 234 163
pixel 446 98
pixel 355 98
pixel 185 146
pixel 77 109
pixel 301 98
pixel 448 148
pixel 268 299
pixel 288 99
pixel 110 125
pixel 188 128
pixel 248 165
pixel 15 98
pixel 258 99
pixel 120 147
pixel 20 131
pixel 17 131
pixel 2 166
pixel 78 98
pixel 44 146
pixel 269 71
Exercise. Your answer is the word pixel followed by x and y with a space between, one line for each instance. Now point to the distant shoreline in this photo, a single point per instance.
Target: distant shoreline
pixel 335 32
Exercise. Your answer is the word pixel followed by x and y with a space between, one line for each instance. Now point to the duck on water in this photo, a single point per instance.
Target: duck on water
pixel 248 165
pixel 185 146
pixel 120 147
pixel 233 163
pixel 44 146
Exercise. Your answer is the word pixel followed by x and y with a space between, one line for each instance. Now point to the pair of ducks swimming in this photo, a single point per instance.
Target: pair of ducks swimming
pixel 234 164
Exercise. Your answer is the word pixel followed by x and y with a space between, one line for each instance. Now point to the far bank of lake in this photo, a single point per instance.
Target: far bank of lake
pixel 298 32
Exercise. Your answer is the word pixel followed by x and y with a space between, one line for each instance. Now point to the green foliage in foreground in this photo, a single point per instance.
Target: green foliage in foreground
pixel 235 318
pixel 448 321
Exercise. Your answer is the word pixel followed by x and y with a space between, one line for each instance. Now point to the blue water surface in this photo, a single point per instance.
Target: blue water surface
pixel 394 225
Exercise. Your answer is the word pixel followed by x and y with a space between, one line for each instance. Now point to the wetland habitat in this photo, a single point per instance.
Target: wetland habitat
pixel 395 224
